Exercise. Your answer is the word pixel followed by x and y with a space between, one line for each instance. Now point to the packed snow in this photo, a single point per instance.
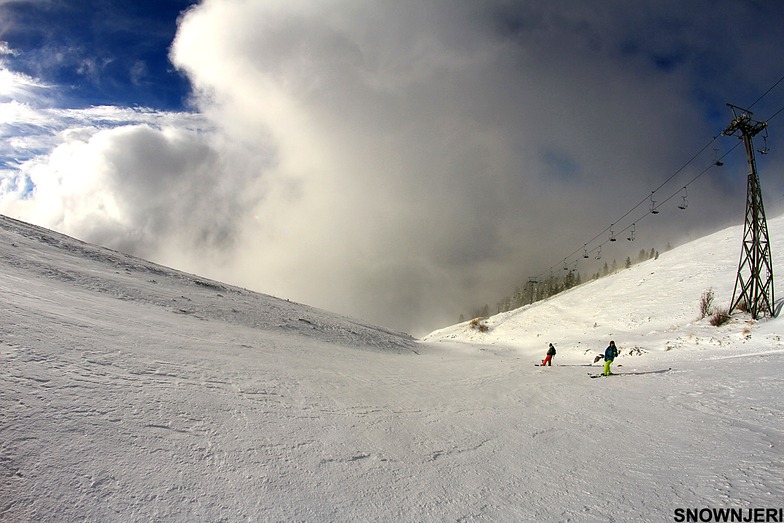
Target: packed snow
pixel 132 392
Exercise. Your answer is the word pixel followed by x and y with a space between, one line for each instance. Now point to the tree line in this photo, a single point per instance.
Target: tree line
pixel 535 290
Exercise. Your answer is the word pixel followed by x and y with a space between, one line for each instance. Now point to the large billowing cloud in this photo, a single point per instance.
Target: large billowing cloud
pixel 405 161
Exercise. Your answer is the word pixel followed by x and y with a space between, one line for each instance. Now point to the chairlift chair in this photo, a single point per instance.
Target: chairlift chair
pixel 654 210
pixel 716 160
pixel 685 202
pixel 765 149
pixel 631 234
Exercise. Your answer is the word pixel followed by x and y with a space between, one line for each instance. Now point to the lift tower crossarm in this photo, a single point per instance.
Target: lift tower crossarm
pixel 743 123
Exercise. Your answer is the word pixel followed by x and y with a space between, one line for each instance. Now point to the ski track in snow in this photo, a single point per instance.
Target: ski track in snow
pixel 133 392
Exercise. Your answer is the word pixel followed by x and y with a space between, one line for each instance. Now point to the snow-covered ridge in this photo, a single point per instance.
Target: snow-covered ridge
pixel 44 253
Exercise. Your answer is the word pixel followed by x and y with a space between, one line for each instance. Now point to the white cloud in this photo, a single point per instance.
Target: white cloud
pixel 18 86
pixel 416 137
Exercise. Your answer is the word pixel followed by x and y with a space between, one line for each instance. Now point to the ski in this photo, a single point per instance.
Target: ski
pixel 660 371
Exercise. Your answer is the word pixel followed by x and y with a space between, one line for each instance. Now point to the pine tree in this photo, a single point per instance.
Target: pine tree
pixel 569 281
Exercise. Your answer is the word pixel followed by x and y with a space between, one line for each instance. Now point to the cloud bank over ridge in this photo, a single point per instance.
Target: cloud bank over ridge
pixel 400 162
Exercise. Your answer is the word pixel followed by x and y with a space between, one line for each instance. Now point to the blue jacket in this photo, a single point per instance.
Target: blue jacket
pixel 610 353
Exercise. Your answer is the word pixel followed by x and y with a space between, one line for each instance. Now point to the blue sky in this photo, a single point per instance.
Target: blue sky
pixel 101 52
pixel 403 162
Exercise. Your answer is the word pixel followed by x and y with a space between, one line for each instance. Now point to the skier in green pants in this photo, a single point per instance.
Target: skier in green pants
pixel 610 353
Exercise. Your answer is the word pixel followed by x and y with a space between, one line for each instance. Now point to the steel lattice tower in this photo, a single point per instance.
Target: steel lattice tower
pixel 754 282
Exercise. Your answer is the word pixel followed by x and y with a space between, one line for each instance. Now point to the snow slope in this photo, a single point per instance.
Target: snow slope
pixel 132 392
pixel 653 306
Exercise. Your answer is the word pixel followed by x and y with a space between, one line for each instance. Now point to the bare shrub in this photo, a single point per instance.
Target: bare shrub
pixel 720 317
pixel 743 306
pixel 479 324
pixel 706 304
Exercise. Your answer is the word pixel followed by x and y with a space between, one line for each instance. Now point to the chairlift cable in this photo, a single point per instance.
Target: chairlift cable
pixel 774 115
pixel 647 199
pixel 715 163
pixel 766 93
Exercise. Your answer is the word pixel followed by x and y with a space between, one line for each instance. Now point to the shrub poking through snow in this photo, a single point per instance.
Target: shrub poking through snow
pixel 706 304
pixel 479 324
pixel 720 317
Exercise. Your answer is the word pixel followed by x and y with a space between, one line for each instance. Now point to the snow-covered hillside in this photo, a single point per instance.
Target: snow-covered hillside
pixel 653 306
pixel 132 392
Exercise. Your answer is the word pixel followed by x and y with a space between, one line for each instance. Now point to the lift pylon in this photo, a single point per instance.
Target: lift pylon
pixel 754 281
